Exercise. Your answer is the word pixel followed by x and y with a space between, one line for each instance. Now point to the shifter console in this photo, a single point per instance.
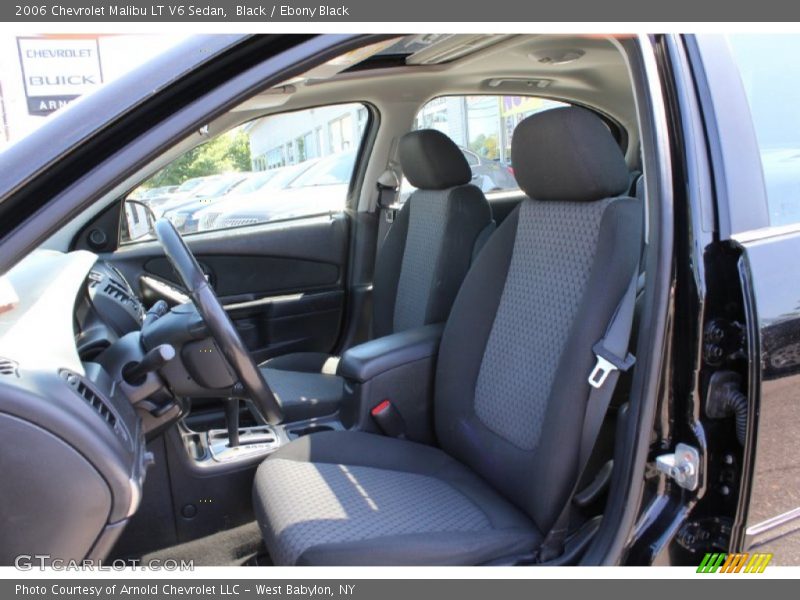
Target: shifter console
pixel 253 441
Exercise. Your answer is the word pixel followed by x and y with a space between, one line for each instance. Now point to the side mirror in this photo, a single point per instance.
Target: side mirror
pixel 138 222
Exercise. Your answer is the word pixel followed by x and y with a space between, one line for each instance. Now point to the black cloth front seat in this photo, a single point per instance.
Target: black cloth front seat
pixel 418 271
pixel 511 383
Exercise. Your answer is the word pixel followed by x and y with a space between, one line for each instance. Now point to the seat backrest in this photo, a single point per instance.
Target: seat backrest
pixel 429 248
pixel 511 384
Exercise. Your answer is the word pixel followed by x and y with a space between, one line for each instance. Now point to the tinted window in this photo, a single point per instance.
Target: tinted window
pixel 261 171
pixel 333 170
pixel 482 126
pixel 255 182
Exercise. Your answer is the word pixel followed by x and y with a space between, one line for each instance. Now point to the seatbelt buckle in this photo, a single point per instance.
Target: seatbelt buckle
pixel 607 362
pixel 389 419
pixel 602 369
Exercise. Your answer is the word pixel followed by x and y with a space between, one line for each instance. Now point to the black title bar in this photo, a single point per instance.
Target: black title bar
pixel 444 11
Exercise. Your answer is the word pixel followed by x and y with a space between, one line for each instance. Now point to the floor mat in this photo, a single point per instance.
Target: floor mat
pixel 233 547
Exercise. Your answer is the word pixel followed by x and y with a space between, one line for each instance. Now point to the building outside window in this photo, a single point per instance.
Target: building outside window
pixel 341 134
pixel 305 147
pixel 275 158
pixel 321 149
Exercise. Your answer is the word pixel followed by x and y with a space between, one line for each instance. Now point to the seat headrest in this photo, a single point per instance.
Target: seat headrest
pixel 432 161
pixel 568 154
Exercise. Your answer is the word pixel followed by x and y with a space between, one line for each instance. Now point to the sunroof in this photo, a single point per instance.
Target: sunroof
pixel 426 49
pixel 395 54
pixel 412 44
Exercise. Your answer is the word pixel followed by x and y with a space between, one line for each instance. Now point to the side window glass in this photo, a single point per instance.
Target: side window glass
pixel 285 166
pixel 482 126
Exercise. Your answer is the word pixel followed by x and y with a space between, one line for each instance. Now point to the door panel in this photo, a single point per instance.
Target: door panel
pixel 753 82
pixel 282 283
pixel 255 275
pixel 297 322
pixel 773 517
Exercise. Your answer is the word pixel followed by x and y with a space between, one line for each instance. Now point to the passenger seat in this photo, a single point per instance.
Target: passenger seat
pixel 418 271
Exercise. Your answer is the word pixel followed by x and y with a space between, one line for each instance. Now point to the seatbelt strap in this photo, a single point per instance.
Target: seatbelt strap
pixel 612 358
pixel 388 187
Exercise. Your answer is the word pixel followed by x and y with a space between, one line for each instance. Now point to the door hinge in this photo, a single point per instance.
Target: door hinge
pixel 683 466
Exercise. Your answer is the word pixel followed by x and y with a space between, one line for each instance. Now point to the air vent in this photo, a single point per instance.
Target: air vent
pixel 116 292
pixel 120 279
pixel 9 367
pixel 118 283
pixel 91 397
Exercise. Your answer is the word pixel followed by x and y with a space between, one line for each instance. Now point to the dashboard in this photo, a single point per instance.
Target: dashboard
pixel 74 457
pixel 106 310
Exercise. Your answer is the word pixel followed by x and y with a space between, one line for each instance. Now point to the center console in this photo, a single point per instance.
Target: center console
pixel 396 370
pixel 211 450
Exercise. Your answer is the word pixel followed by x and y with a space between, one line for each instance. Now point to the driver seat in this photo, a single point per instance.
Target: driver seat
pixel 511 384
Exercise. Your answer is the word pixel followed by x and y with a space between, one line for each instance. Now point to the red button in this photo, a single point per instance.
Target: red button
pixel 380 408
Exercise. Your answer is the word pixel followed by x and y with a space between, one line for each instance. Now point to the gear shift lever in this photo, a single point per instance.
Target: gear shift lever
pixel 235 444
pixel 232 420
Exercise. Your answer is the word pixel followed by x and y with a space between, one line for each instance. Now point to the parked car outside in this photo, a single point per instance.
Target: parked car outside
pixel 487 174
pixel 147 195
pixel 251 195
pixel 182 214
pixel 320 188
pixel 158 202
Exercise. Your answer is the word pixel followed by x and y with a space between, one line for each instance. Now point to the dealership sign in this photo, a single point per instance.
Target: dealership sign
pixel 58 70
pixel 519 105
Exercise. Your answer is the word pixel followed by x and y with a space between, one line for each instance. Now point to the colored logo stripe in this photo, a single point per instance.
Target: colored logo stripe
pixel 711 563
pixel 734 563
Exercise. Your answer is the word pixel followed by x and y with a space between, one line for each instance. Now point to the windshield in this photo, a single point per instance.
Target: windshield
pixel 331 170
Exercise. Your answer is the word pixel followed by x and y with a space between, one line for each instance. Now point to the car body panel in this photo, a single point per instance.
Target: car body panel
pixel 772 521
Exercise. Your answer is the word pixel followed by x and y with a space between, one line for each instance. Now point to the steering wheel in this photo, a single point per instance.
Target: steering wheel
pixel 218 321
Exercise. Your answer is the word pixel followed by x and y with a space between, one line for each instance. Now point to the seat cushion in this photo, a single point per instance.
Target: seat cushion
pixel 304 395
pixel 352 498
